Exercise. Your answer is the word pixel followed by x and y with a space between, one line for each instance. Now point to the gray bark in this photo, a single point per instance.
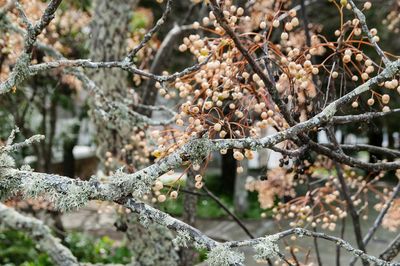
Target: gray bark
pixel 107 43
pixel 152 245
pixel 188 255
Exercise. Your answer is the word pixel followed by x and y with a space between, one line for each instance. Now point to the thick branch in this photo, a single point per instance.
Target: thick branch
pixel 39 232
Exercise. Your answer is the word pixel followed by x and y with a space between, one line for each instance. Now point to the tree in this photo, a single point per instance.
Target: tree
pixel 257 66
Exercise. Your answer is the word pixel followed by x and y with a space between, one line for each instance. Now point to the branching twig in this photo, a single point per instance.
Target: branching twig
pixel 379 219
pixel 150 33
pixel 237 220
pixel 361 17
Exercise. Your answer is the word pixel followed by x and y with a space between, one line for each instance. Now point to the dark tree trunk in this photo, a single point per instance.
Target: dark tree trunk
pixel 375 136
pixel 68 159
pixel 229 165
pixel 68 155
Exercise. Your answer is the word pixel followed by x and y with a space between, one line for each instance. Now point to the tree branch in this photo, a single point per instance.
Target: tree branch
pixel 40 233
pixel 361 17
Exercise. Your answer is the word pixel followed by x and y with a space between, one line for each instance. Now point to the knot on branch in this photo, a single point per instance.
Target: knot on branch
pixel 391 70
pixel 300 232
pixel 197 149
pixel 137 184
pixel 21 69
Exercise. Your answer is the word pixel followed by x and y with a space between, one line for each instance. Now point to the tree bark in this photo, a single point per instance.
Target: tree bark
pixel 151 245
pixel 188 255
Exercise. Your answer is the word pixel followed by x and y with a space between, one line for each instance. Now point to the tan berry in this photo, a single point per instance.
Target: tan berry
pixel 295 22
pixel 346 58
pixel 217 127
pixel 223 134
pixel 174 194
pixel 199 185
pixel 158 185
pixel 249 154
pixel 371 101
pixel 196 167
pixel 367 5
pixel 196 25
pixel 198 178
pixel 238 155
pixel 161 198
pixel 375 39
pixel 288 26
pixel 183 47
pixel 385 99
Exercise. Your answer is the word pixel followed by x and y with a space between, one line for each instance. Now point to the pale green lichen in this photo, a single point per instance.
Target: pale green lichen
pixel 199 245
pixel 77 196
pixel 11 138
pixel 223 255
pixel 8 186
pixel 20 73
pixel 145 221
pixel 267 248
pixel 197 149
pixel 182 238
pixel 6 161
pixel 72 196
pixel 26 168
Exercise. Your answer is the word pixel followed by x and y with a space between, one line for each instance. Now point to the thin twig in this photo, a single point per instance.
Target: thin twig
pixel 361 17
pixel 150 33
pixel 226 209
